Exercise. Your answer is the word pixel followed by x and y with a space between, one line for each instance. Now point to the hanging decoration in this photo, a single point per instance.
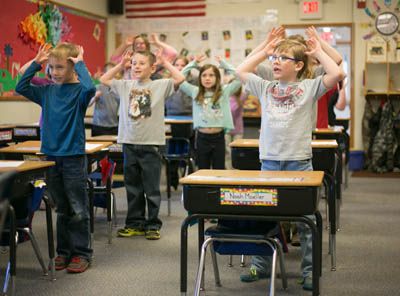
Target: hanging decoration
pixel 47 25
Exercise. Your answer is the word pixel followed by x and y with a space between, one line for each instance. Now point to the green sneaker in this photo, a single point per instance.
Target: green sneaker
pixel 128 232
pixel 153 234
pixel 252 276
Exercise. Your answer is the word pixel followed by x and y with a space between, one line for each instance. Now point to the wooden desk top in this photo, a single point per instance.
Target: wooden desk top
pixel 254 143
pixel 178 119
pixel 27 125
pixel 6 126
pixel 103 138
pixel 329 130
pixel 23 165
pixel 33 147
pixel 255 178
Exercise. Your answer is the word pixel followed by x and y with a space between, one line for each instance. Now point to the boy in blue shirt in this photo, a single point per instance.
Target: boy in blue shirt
pixel 64 106
pixel 141 131
pixel 286 125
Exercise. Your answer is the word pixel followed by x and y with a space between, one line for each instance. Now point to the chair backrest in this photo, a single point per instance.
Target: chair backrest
pixel 107 169
pixel 248 229
pixel 178 146
pixel 6 182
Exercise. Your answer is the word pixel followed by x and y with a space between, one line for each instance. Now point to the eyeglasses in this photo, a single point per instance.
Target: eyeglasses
pixel 281 59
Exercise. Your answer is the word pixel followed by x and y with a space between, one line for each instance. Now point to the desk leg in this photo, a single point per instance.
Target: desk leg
pixel 50 238
pixel 338 184
pixel 91 210
pixel 315 252
pixel 318 219
pixel 184 250
pixel 11 267
pixel 332 219
pixel 201 241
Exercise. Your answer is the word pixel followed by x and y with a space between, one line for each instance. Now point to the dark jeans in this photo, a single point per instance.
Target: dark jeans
pixel 67 183
pixel 98 130
pixel 210 150
pixel 142 171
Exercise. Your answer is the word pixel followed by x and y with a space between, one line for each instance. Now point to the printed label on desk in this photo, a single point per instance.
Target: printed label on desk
pixel 249 197
pixel 115 148
pixel 30 132
pixel 5 135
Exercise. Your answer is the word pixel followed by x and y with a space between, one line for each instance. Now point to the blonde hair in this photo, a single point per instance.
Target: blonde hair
pixel 297 49
pixel 64 50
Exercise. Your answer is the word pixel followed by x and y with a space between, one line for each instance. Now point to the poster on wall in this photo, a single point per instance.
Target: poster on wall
pixel 376 49
pixel 28 24
pixel 231 38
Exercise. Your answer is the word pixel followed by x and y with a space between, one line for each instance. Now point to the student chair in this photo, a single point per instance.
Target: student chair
pixel 18 229
pixel 6 182
pixel 100 184
pixel 235 237
pixel 177 150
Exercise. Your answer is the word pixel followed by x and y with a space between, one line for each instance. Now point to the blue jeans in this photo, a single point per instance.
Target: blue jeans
pixel 142 171
pixel 67 184
pixel 263 263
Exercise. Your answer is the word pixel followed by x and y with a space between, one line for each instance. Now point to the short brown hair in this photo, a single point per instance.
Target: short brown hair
pixel 65 50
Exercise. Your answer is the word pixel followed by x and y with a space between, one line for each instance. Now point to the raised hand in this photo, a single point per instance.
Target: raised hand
pixel 200 58
pixel 43 53
pixel 79 57
pixel 153 39
pixel 126 60
pixel 311 32
pixel 270 47
pixel 313 46
pixel 276 33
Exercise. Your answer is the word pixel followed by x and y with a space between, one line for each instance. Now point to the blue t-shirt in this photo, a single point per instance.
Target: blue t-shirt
pixel 63 110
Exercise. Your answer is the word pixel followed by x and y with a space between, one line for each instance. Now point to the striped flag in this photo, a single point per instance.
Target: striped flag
pixel 164 8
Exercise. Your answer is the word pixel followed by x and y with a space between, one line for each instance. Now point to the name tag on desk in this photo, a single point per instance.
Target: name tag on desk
pixel 249 197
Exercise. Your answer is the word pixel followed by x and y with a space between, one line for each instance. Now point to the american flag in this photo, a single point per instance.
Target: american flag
pixel 164 8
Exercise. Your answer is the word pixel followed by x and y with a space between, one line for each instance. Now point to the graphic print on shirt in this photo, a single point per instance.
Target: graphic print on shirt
pixel 139 103
pixel 210 111
pixel 282 103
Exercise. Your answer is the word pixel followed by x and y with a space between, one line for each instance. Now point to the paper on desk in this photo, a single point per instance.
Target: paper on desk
pixel 10 164
pixel 90 146
pixel 28 148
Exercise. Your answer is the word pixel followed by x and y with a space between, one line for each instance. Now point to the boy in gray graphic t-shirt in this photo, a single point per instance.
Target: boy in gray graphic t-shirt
pixel 141 131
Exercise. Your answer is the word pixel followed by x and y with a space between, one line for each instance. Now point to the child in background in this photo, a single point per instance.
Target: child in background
pixel 180 104
pixel 236 103
pixel 105 114
pixel 141 131
pixel 333 98
pixel 64 106
pixel 286 126
pixel 211 111
pixel 141 43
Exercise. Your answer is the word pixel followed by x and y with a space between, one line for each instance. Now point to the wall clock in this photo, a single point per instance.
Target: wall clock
pixel 387 23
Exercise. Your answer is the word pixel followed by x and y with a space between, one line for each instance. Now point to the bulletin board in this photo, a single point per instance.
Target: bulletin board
pixel 231 38
pixel 26 24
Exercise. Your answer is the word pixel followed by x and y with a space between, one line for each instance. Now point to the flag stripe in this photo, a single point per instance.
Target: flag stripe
pixel 175 7
pixel 134 2
pixel 164 8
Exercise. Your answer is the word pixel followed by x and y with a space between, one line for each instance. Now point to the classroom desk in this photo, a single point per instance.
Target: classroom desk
pixel 28 171
pixel 245 156
pixel 179 126
pixel 286 196
pixel 26 132
pixel 336 133
pixel 6 134
pixel 343 122
pixel 30 150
